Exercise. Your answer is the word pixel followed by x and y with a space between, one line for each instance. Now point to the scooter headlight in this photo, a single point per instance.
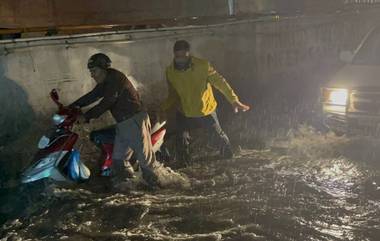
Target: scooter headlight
pixel 58 119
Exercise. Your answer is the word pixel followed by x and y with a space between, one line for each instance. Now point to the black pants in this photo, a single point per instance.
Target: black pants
pixel 185 124
pixel 103 136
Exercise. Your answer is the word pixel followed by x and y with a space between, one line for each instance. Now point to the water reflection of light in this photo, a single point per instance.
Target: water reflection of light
pixel 336 177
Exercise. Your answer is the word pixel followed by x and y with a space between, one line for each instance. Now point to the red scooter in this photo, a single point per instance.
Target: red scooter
pixel 59 160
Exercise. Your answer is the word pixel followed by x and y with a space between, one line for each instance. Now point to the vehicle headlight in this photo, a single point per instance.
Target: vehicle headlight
pixel 336 96
pixel 58 119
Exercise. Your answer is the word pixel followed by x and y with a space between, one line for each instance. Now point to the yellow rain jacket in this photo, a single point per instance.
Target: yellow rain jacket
pixel 191 92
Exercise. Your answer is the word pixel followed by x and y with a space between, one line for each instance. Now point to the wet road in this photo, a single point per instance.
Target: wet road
pixel 309 187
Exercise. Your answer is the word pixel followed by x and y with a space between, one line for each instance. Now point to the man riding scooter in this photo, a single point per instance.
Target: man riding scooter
pixel 132 131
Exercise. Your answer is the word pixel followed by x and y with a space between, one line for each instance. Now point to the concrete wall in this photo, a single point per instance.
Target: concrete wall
pixel 38 66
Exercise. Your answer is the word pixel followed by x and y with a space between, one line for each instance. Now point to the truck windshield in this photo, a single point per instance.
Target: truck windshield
pixel 369 53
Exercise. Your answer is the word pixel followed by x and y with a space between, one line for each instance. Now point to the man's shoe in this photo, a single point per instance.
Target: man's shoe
pixel 129 172
pixel 226 152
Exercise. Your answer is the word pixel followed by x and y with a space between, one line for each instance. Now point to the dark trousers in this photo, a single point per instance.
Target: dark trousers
pixel 183 126
pixel 103 136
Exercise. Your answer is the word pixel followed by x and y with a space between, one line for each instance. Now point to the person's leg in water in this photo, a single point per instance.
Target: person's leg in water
pixel 210 123
pixel 143 149
pixel 122 152
pixel 224 142
pixel 104 139
pixel 134 135
pixel 182 138
pixel 154 172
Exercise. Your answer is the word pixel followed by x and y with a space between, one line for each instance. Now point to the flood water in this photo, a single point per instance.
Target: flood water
pixel 309 187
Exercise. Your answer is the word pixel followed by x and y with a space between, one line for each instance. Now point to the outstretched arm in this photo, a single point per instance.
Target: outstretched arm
pixel 218 81
pixel 89 98
pixel 111 93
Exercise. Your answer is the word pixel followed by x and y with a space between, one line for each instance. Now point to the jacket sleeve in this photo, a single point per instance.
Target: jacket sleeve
pixel 111 93
pixel 218 81
pixel 172 99
pixel 90 97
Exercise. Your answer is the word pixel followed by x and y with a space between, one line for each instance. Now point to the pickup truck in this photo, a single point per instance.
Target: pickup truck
pixel 351 99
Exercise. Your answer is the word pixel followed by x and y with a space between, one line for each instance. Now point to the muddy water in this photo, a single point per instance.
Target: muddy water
pixel 302 189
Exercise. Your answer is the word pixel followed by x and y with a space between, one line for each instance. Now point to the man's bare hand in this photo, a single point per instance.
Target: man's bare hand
pixel 238 106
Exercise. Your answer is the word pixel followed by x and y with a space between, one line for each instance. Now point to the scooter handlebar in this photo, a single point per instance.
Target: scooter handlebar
pixel 71 114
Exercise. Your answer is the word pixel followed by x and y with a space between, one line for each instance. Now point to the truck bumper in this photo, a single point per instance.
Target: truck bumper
pixel 339 120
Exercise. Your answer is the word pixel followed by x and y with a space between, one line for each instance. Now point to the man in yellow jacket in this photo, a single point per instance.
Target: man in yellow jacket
pixel 190 81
